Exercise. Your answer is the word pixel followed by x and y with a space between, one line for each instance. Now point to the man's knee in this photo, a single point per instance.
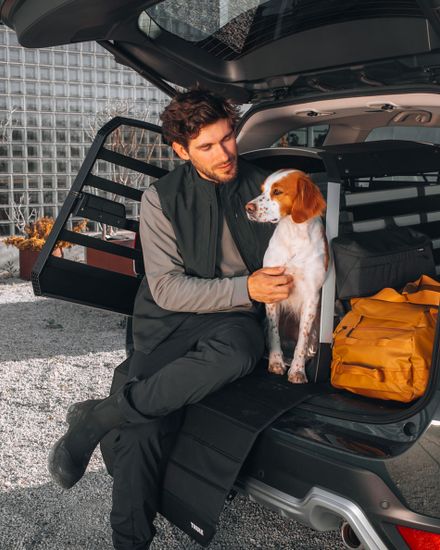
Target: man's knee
pixel 238 344
pixel 248 342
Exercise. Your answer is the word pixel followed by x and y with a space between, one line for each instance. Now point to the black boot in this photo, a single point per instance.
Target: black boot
pixel 88 422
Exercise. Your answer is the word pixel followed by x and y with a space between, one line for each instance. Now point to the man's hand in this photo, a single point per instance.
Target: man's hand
pixel 269 285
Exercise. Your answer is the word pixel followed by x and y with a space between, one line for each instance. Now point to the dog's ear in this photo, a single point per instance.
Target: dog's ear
pixel 308 202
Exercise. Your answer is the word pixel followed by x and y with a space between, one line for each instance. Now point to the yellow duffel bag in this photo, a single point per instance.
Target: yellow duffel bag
pixel 382 348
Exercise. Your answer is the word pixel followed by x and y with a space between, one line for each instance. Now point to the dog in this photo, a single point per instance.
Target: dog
pixel 290 199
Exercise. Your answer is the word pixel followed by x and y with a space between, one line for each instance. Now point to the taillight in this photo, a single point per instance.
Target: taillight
pixel 417 539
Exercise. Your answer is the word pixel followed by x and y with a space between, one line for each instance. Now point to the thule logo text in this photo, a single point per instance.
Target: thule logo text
pixel 197 528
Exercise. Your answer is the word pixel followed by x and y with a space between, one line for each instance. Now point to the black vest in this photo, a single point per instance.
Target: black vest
pixel 191 204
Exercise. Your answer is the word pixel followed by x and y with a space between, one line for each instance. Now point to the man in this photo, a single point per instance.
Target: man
pixel 196 321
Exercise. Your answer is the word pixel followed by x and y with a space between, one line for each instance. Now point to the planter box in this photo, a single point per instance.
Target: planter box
pixel 112 262
pixel 27 259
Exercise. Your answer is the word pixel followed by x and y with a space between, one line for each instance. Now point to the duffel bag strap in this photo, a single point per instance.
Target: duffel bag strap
pixel 423 291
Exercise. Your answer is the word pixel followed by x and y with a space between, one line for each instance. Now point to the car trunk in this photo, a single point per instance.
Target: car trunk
pixel 336 170
pixel 380 183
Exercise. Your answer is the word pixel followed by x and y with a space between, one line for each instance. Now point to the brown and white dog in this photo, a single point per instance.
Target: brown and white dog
pixel 290 199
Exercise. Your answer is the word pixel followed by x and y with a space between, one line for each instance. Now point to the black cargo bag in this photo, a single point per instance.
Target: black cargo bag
pixel 367 262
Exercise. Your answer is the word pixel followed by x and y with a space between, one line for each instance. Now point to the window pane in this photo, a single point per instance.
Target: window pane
pixel 48 183
pixel 47 136
pixel 15 54
pixel 33 182
pixel 17 135
pixel 47 167
pixel 32 166
pixel 46 104
pixel 31 71
pixel 18 166
pixel 45 73
pixel 61 136
pixel 16 71
pixel 16 87
pixel 31 135
pixel 312 136
pixel 193 22
pixel 45 57
pixel 411 133
pixel 30 56
pixel 31 103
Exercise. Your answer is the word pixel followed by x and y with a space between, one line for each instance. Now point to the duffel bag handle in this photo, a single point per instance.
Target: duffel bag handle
pixel 358 370
pixel 373 342
pixel 424 291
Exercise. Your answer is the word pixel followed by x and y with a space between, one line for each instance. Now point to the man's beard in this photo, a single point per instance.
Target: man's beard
pixel 215 176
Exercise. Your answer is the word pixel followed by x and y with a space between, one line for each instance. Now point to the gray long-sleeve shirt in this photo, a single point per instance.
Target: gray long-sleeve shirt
pixel 170 286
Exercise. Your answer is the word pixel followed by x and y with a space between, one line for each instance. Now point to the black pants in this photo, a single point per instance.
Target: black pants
pixel 206 352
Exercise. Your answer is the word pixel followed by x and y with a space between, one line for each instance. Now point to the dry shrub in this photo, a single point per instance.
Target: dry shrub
pixel 37 233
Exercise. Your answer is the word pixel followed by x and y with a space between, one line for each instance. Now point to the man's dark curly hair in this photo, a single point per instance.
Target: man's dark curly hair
pixel 189 112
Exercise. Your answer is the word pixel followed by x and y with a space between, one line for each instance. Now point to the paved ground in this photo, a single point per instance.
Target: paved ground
pixel 53 353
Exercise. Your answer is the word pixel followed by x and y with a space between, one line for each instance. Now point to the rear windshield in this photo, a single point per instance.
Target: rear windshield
pixel 231 28
pixel 312 136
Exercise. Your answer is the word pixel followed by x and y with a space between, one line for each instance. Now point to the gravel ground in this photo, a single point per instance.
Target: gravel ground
pixel 52 354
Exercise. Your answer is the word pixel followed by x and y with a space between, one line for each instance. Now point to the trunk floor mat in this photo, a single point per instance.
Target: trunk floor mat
pixel 214 441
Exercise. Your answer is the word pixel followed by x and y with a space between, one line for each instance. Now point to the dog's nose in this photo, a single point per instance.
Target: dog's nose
pixel 250 208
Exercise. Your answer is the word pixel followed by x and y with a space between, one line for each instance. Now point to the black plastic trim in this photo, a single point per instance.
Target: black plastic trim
pixel 131 163
pixel 60 280
pixel 99 244
pixel 115 188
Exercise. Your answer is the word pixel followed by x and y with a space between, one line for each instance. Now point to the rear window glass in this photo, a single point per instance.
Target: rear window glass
pixel 194 20
pixel 312 136
pixel 230 28
pixel 408 133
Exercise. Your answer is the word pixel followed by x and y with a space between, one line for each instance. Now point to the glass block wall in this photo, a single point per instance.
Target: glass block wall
pixel 49 99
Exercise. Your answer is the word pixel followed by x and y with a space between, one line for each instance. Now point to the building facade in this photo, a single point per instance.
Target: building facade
pixel 51 102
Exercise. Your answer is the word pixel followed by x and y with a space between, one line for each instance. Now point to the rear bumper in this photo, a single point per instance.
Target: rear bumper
pixel 321 486
pixel 319 509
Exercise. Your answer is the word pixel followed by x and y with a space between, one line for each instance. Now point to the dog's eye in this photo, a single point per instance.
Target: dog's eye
pixel 277 192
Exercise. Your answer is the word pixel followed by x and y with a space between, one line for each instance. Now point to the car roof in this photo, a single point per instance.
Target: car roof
pixel 251 50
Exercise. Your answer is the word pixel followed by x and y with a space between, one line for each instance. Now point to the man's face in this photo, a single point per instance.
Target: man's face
pixel 213 152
